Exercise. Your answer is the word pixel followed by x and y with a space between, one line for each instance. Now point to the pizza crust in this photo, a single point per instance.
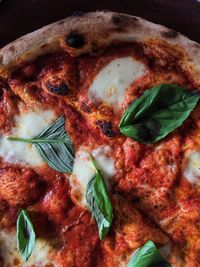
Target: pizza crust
pixel 99 30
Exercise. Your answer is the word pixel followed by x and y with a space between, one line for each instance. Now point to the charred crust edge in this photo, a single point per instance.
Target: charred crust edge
pixel 121 20
pixel 170 34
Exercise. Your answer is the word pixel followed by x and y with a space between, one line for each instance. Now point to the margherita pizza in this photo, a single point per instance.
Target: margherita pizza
pixel 100 145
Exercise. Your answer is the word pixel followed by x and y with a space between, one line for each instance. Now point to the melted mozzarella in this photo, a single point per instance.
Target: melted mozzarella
pixel 8 250
pixel 192 170
pixel 32 123
pixel 105 163
pixel 83 170
pixel 111 83
pixel 40 255
pixel 27 125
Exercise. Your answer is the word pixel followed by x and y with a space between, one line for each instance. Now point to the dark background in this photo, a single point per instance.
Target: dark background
pixel 18 17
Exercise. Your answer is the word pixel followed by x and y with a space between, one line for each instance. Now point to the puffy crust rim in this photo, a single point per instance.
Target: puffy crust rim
pixel 99 29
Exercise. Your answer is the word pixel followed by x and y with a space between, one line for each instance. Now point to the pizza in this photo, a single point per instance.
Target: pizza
pixel 100 145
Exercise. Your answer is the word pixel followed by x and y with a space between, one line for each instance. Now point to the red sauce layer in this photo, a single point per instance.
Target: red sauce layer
pixel 151 198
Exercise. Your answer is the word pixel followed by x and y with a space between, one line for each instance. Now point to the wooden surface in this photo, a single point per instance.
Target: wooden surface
pixel 18 17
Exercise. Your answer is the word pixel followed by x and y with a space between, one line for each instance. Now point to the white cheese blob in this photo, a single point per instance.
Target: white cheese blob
pixel 8 248
pixel 9 252
pixel 111 83
pixel 41 253
pixel 83 170
pixel 192 170
pixel 27 125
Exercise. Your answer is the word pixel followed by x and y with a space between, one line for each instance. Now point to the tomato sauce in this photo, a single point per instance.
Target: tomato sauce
pixel 149 190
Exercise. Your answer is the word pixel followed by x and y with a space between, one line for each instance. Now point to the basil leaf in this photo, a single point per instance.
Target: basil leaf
pixel 99 203
pixel 25 235
pixel 158 112
pixel 147 256
pixel 54 146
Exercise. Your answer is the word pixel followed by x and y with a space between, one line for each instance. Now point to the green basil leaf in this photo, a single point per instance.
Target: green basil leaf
pixel 147 256
pixel 99 203
pixel 54 146
pixel 158 112
pixel 25 235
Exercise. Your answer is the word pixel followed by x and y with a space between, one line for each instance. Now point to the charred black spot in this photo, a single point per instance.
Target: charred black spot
pixel 146 131
pixel 170 34
pixel 59 89
pixel 121 20
pixel 78 13
pixel 106 128
pixel 75 40
pixel 85 107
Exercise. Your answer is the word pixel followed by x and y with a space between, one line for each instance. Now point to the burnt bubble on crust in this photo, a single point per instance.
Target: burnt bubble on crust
pixel 170 34
pixel 75 39
pixel 121 20
pixel 106 128
pixel 59 89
